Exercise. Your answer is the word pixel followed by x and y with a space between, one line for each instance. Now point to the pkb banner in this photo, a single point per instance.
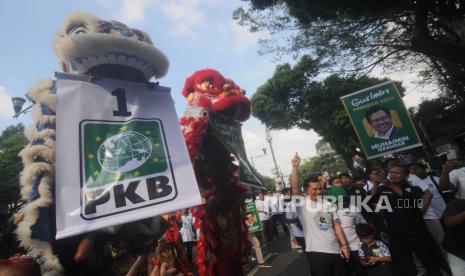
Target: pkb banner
pixel 120 155
pixel 381 120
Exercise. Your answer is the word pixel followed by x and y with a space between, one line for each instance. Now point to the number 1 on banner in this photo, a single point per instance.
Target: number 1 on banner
pixel 120 95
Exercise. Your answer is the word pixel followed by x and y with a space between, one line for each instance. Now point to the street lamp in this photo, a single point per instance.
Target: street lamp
pixel 257 156
pixel 18 104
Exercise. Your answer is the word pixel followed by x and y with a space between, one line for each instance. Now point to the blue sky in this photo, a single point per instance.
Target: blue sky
pixel 194 34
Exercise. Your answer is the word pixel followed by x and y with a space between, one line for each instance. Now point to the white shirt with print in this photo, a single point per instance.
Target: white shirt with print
pixel 317 219
pixel 349 219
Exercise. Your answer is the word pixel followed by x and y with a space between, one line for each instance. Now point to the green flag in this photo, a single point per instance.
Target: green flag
pixel 230 135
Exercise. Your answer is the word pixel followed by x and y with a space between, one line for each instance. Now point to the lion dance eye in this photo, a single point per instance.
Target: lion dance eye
pixel 205 85
pixel 78 29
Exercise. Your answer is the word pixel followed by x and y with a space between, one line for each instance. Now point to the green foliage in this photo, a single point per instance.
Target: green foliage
pixel 442 118
pixel 268 182
pixel 12 141
pixel 295 97
pixel 358 35
pixel 331 163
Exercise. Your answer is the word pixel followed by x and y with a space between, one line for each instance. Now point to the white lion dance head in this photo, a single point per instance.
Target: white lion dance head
pixel 86 45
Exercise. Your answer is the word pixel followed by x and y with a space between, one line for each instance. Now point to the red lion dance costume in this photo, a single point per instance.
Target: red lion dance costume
pixel 223 246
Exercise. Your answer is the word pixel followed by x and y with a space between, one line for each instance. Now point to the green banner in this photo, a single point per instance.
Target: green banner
pixel 381 120
pixel 248 177
pixel 230 135
pixel 251 218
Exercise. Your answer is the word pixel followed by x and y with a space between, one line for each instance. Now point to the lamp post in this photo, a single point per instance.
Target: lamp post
pixel 18 104
pixel 257 156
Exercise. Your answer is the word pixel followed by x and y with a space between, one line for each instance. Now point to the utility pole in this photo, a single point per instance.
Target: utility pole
pixel 276 169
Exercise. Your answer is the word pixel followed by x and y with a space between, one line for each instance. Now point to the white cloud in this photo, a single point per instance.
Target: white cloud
pixel 134 10
pixel 186 15
pixel 6 107
pixel 285 144
pixel 242 38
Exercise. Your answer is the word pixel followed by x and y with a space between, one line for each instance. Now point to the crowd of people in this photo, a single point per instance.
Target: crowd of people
pixel 399 220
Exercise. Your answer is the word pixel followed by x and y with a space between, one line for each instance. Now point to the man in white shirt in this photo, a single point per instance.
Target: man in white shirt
pixel 297 231
pixel 433 202
pixel 322 229
pixel 276 205
pixel 453 172
pixel 263 214
pixel 350 217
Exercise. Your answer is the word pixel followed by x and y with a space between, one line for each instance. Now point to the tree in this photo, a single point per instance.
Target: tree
pixel 294 97
pixel 268 182
pixel 331 163
pixel 12 141
pixel 441 118
pixel 358 35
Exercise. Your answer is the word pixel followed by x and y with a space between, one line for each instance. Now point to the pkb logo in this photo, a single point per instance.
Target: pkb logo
pixel 124 166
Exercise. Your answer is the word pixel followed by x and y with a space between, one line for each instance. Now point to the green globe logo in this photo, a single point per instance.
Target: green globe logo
pixel 124 152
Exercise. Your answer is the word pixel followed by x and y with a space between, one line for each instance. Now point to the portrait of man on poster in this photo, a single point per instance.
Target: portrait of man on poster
pixel 380 120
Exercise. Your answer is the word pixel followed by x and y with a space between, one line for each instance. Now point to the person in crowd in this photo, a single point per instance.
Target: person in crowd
pixel 324 237
pixel 433 204
pixel 407 230
pixel 282 213
pixel 296 226
pixel 268 211
pixel 352 188
pixel 454 240
pixel 356 192
pixel 389 163
pixel 375 175
pixel 140 268
pixel 187 233
pixel 263 215
pixel 359 181
pixel 256 245
pixel 373 254
pixel 19 265
pixel 276 205
pixel 324 178
pixel 453 173
pixel 337 190
pixel 350 217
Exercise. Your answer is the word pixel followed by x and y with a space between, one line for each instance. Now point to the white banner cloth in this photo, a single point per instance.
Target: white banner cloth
pixel 120 155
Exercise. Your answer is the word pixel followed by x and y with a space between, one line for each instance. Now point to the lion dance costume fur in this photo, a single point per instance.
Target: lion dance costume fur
pixel 95 47
pixel 223 245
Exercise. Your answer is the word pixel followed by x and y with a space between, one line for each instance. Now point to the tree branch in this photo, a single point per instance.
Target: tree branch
pixel 423 42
